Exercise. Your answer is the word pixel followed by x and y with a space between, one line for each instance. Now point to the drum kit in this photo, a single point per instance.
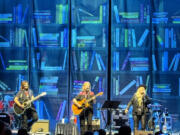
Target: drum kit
pixel 7 114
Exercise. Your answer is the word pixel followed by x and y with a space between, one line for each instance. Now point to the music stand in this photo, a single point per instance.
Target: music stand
pixel 110 105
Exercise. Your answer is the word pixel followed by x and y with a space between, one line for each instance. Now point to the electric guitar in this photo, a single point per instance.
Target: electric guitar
pixel 27 104
pixel 76 110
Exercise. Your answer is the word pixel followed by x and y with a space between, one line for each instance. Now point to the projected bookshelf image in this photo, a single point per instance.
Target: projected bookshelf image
pixel 14 13
pixel 50 56
pixel 139 14
pixel 129 64
pixel 131 47
pixel 130 37
pixel 51 12
pixel 89 12
pixel 14 68
pixel 89 48
pixel 165 57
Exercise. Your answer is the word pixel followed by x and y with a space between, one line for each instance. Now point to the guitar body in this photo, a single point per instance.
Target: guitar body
pixel 18 110
pixel 76 110
pixel 27 104
pixel 85 102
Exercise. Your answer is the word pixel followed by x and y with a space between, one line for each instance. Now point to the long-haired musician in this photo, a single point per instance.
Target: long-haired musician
pixel 139 102
pixel 25 94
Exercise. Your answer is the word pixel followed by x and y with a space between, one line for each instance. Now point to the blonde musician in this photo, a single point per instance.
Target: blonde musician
pixel 87 113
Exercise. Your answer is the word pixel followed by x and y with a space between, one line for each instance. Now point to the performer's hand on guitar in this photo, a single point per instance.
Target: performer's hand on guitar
pixel 22 106
pixel 81 106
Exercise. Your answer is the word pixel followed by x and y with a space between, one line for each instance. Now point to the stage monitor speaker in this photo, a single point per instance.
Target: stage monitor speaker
pixel 140 132
pixel 40 126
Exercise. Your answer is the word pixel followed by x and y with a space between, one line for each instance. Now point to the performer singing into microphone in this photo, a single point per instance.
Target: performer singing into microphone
pixel 88 112
pixel 139 102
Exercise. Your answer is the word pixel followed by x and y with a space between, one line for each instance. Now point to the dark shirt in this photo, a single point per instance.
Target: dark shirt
pixel 139 110
pixel 21 95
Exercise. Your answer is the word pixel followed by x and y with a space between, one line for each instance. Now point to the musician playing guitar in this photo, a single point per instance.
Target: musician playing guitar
pixel 87 113
pixel 26 94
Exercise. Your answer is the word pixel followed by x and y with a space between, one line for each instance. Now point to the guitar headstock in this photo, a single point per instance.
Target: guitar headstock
pixel 43 94
pixel 100 93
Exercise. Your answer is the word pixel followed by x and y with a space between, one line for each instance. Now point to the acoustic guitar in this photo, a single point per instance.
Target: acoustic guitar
pixel 85 103
pixel 27 104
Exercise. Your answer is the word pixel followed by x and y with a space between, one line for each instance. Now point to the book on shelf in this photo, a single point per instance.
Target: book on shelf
pixel 160 17
pixel 2 61
pixel 18 15
pixel 62 110
pixel 125 61
pixel 161 88
pixel 165 61
pixel 168 40
pixel 42 16
pixel 147 82
pixel 92 19
pixel 126 37
pixel 87 59
pixel 6 18
pixel 175 19
pixel 4 86
pixel 176 62
pixel 50 39
pixel 115 85
pixel 143 37
pixel 62 14
pixel 87 41
pixel 49 85
pixel 127 87
pixel 17 65
pixel 19 37
pixel 173 61
pixel 154 62
pixel 139 63
pixel 141 16
pixel 95 83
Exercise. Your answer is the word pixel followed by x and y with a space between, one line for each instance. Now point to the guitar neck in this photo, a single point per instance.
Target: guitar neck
pixel 35 98
pixel 89 100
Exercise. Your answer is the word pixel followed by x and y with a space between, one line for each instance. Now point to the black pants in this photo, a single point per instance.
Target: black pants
pixel 29 114
pixel 86 115
pixel 138 118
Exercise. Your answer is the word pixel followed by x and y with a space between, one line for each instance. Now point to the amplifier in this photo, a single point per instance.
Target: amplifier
pixel 140 132
pixel 41 126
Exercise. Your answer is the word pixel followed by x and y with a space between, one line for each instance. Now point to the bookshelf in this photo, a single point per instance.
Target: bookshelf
pixel 160 45
pixel 50 58
pixel 14 39
pixel 89 48
pixel 130 48
pixel 165 48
